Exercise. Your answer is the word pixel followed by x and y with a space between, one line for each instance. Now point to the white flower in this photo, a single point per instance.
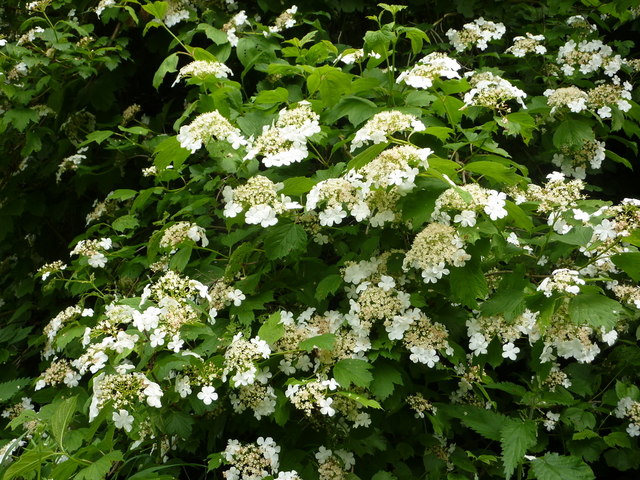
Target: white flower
pixel 331 216
pixel 262 214
pixel 97 260
pixel 176 343
pixel 157 338
pixel 183 386
pixel 466 218
pixel 513 239
pixel 323 454
pixel 325 407
pixel 478 343
pixel 633 430
pixel 510 351
pixel 148 320
pixel 236 296
pixel 208 394
pixel 386 283
pixel 427 356
pixel 495 205
pixel 122 419
pixel 153 393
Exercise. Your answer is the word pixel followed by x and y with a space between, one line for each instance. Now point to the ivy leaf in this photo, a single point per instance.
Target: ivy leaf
pixel 323 342
pixel 595 310
pixel 281 240
pixel 556 467
pixel 516 437
pixel 272 330
pixel 352 370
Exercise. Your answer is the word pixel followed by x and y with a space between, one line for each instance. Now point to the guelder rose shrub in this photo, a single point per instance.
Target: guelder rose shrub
pixel 386 260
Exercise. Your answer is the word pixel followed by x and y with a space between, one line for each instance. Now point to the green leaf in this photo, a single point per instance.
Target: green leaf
pixel 323 342
pixel 366 156
pixel 19 117
pixel 157 9
pixel 382 475
pixel 272 330
pixel 100 467
pixel 328 285
pixel 10 388
pixel 331 82
pixel 519 217
pixel 180 259
pixel 126 222
pixel 483 421
pixel 495 171
pixel 27 463
pixel 618 439
pixel 169 151
pixel 572 133
pixel 576 236
pixel 178 423
pixel 61 418
pixel 629 263
pixel 595 310
pixel 516 437
pixel 585 435
pixel 281 240
pixel 216 36
pixel 122 194
pixel 385 378
pixel 356 109
pixel 468 283
pixel 297 186
pixel 279 95
pixel 555 467
pixel 378 41
pixel 361 399
pixel 97 136
pixel 352 370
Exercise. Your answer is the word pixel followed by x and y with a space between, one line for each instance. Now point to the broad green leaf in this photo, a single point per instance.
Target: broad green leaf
pixel 271 330
pixel 180 259
pixel 385 378
pixel 572 133
pixel 629 263
pixel 378 41
pixel 332 83
pixel 169 151
pixel 352 370
pixel 361 399
pixel 468 283
pixel 323 342
pixel 485 422
pixel 157 9
pixel 61 418
pixel 100 467
pixel 516 437
pixel 618 439
pixel 585 435
pixel 576 236
pixel 28 463
pixel 126 222
pixel 216 36
pixel 281 240
pixel 382 475
pixel 178 423
pixel 122 194
pixel 10 388
pixel 556 467
pixel 519 217
pixel 356 109
pixel 595 310
pixel 366 156
pixel 297 186
pixel 279 95
pixel 328 285
pixel 495 171
pixel 97 136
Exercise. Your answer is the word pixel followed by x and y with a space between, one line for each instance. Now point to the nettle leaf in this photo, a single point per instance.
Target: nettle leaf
pixel 572 133
pixel 323 342
pixel 516 437
pixel 595 310
pixel 629 263
pixel 352 370
pixel 281 240
pixel 272 330
pixel 556 467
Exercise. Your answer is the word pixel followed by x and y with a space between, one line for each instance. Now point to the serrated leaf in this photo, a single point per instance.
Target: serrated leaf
pixel 483 421
pixel 279 95
pixel 618 439
pixel 556 467
pixel 10 388
pixel 126 222
pixel 100 467
pixel 157 9
pixel 272 330
pixel 328 285
pixel 595 310
pixel 352 370
pixel 97 136
pixel 169 152
pixel 468 283
pixel 572 133
pixel 178 423
pixel 385 378
pixel 629 263
pixel 585 435
pixel 61 418
pixel 516 437
pixel 323 342
pixel 496 171
pixel 281 240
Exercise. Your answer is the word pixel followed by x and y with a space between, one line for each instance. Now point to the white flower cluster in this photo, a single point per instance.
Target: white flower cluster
pixel 603 97
pixel 464 202
pixel 627 407
pixel 255 461
pixel 122 390
pixel 181 288
pixel 574 161
pixel 561 280
pixel 258 397
pixel 203 69
pixel 334 465
pixel 527 44
pixel 30 35
pixel 93 249
pixel 49 268
pixel 356 55
pixel 207 125
pixel 383 124
pixel 433 249
pixel 491 91
pixel 177 11
pixel 313 396
pixel 571 97
pixel 285 20
pixel 285 142
pixel 240 359
pixel 180 232
pixel 237 22
pixel 71 163
pixel 478 34
pixel 481 330
pixel 260 201
pixel 588 57
pixel 60 371
pixel 429 68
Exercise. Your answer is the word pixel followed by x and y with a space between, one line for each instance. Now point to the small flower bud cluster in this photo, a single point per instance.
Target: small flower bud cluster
pixel 397 166
pixel 100 209
pixel 180 288
pixel 235 24
pixel 55 325
pixel 429 68
pixel 562 280
pixel 71 163
pixel 475 34
pixel 14 410
pixel 556 378
pixel 60 371
pixel 177 11
pixel 221 296
pixel 207 125
pixel 255 461
pixel 93 249
pixel 257 397
pixel 123 391
pixel 285 142
pixel 203 69
pixel 30 36
pixel 571 97
pixel 336 195
pixel 556 195
pixel 420 405
pixel 492 91
pixel 434 248
pixel 383 124
pixel 574 161
pixel 603 97
pixel 425 338
pixel 48 268
pixel 629 408
pixel 285 20
pixel 629 294
pixel 570 340
pixel 578 22
pixel 312 397
pixel 528 44
pixel 240 358
pixel 334 464
pixel 588 57
pixel 180 232
pixel 481 330
pixel 260 201
pixel 130 113
pixel 468 200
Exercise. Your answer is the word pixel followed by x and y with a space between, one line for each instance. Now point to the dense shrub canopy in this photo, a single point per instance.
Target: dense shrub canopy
pixel 330 240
